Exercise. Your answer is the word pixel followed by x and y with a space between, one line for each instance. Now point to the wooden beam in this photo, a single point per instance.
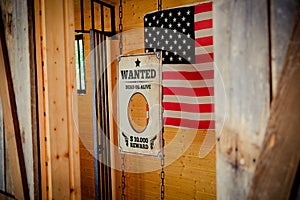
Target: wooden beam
pixel 280 155
pixel 57 93
pixel 10 107
pixel 242 60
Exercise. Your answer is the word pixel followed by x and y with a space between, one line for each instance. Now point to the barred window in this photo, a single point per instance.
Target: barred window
pixel 80 69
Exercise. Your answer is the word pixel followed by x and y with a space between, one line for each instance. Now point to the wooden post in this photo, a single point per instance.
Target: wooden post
pixel 280 155
pixel 242 59
pixel 58 99
pixel 11 118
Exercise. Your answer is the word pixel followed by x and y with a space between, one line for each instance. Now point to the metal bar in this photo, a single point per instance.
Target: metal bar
pixel 103 119
pixel 107 120
pixel 100 111
pixel 113 21
pixel 94 114
pixel 82 31
pixel 93 14
pixel 82 14
pixel 108 33
pixel 103 3
pixel 13 108
pixel 102 17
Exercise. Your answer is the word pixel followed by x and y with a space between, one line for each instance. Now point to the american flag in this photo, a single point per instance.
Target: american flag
pixel 185 37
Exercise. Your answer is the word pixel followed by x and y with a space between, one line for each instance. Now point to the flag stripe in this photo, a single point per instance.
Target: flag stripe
pixel 189 100
pixel 188 67
pixel 194 108
pixel 205 41
pixel 188 83
pixel 203 7
pixel 204 49
pixel 203 33
pixel 203 58
pixel 203 24
pixel 186 123
pixel 206 91
pixel 189 115
pixel 203 16
pixel 183 75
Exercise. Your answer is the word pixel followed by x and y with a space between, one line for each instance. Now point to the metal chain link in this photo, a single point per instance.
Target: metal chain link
pixel 123 176
pixel 162 173
pixel 159 4
pixel 121 27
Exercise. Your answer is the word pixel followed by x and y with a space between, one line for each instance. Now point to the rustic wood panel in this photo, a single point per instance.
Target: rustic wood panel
pixel 279 158
pixel 283 14
pixel 13 138
pixel 24 82
pixel 242 59
pixel 19 37
pixel 57 71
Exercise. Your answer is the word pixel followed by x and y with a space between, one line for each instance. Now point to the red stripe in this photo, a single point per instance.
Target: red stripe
pixel 203 24
pixel 195 108
pixel 205 124
pixel 181 75
pixel 204 7
pixel 204 58
pixel 193 92
pixel 205 41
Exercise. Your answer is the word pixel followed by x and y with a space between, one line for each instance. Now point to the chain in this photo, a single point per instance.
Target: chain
pixel 162 173
pixel 159 4
pixel 121 27
pixel 123 175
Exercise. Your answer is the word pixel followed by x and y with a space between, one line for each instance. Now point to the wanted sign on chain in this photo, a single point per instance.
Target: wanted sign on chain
pixel 140 104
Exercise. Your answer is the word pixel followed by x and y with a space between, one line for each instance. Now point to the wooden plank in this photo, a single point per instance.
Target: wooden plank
pixel 61 156
pixel 72 102
pixel 24 82
pixel 7 10
pixel 2 151
pixel 283 15
pixel 242 59
pixel 280 155
pixel 11 117
pixel 41 99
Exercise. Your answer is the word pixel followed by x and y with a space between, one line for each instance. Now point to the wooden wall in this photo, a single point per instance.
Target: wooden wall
pixel 18 27
pixel 187 175
pixel 251 38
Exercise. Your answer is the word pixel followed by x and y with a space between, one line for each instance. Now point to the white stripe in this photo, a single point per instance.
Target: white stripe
pixel 203 16
pixel 187 128
pixel 188 115
pixel 204 33
pixel 204 49
pixel 188 67
pixel 187 99
pixel 187 83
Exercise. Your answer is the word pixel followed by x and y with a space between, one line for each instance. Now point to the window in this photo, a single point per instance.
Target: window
pixel 80 71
